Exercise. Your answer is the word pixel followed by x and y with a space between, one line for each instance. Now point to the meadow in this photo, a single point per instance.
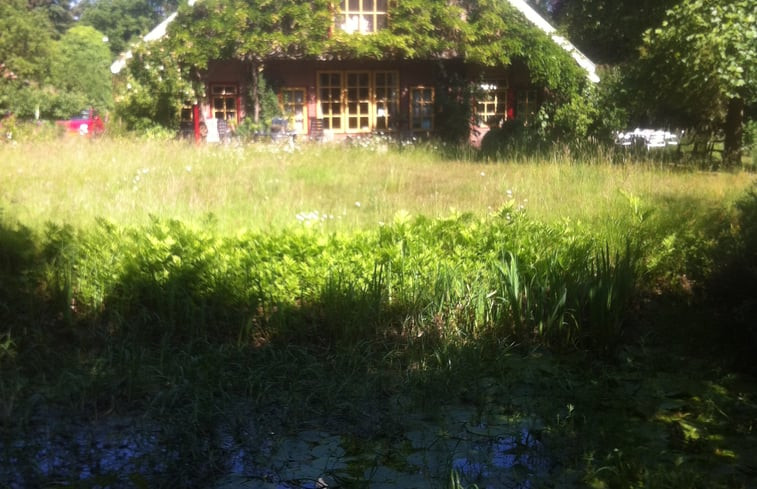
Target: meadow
pixel 318 285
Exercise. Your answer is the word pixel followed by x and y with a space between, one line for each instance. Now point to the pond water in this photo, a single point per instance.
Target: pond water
pixel 491 451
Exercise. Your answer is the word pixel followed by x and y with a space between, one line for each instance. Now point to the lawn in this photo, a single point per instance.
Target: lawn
pixel 350 301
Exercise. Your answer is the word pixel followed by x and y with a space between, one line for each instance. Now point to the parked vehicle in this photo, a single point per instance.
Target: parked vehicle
pixel 85 123
pixel 648 138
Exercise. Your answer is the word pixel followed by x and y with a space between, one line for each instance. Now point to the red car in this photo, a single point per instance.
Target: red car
pixel 85 123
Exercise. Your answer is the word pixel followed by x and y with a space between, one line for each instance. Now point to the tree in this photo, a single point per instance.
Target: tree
pixel 152 89
pixel 25 40
pixel 607 31
pixel 57 11
pixel 81 65
pixel 123 21
pixel 700 65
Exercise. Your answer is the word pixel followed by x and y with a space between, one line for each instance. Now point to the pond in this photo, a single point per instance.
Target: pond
pixel 456 447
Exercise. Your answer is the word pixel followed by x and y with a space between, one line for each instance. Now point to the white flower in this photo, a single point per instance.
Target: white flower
pixel 357 204
pixel 188 168
pixel 483 174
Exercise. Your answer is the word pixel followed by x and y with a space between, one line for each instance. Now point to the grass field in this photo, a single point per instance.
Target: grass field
pixel 255 187
pixel 348 287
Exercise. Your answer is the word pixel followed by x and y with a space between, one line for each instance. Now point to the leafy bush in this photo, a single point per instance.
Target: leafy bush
pixel 152 90
pixel 452 280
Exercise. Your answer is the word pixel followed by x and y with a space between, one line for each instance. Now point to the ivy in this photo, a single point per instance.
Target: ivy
pixel 486 32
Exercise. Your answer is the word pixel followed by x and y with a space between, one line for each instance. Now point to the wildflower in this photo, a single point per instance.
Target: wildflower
pixel 357 204
pixel 483 174
pixel 188 168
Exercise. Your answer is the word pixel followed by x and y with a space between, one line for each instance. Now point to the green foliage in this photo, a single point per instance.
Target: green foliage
pixel 123 21
pixel 248 30
pixel 454 106
pixel 699 67
pixel 25 40
pixel 53 79
pixel 186 324
pixel 608 31
pixel 28 101
pixel 485 32
pixel 534 284
pixel 153 89
pixel 59 12
pixel 81 65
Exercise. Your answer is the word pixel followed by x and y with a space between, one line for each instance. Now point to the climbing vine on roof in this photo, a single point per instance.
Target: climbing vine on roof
pixel 487 32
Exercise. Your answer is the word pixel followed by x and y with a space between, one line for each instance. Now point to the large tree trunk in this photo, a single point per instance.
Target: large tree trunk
pixel 734 129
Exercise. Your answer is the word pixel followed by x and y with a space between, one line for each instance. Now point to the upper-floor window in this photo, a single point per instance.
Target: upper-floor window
pixel 363 16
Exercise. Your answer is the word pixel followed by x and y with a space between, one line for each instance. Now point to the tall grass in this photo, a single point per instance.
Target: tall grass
pixel 253 187
pixel 178 279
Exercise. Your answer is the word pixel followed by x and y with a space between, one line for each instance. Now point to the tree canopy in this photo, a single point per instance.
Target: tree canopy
pixel 25 39
pixel 123 21
pixel 608 31
pixel 81 65
pixel 700 66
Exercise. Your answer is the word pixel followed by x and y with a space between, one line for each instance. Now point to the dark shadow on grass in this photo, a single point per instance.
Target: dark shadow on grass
pixel 193 345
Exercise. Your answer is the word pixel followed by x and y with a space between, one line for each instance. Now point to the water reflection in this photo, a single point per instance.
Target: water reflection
pixel 492 453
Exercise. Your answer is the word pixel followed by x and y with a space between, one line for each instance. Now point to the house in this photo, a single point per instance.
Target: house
pixel 335 97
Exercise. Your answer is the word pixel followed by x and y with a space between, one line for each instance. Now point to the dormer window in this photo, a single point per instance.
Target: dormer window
pixel 362 16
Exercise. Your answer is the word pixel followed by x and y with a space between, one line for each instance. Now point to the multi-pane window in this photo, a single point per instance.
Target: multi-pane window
pixel 526 104
pixel 358 90
pixel 491 103
pixel 363 16
pixel 224 101
pixel 358 101
pixel 386 90
pixel 421 109
pixel 294 107
pixel 330 99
